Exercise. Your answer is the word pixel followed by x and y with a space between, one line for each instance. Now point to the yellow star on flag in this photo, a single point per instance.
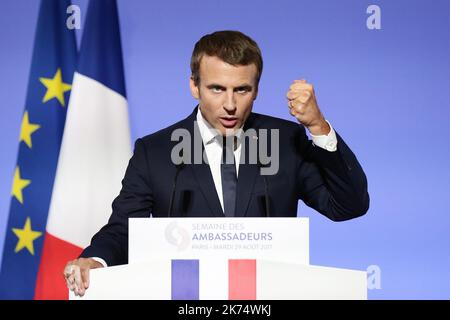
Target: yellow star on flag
pixel 26 237
pixel 27 130
pixel 55 87
pixel 18 185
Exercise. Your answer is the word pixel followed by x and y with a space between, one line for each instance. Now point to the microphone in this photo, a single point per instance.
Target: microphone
pixel 179 167
pixel 266 190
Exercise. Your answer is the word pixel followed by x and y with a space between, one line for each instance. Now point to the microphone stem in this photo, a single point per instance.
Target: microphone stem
pixel 174 186
pixel 266 191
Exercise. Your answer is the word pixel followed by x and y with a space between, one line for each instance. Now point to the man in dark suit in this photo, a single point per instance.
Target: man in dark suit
pixel 199 176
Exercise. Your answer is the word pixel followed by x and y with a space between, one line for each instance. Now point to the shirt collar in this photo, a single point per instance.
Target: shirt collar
pixel 209 133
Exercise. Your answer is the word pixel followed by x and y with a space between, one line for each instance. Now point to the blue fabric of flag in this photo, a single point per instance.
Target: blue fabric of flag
pixel 52 69
pixel 101 34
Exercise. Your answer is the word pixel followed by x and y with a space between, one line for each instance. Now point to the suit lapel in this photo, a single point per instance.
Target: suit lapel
pixel 247 172
pixel 202 172
pixel 205 181
pixel 246 182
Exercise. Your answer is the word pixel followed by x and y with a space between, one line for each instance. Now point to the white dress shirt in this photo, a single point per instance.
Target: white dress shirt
pixel 213 148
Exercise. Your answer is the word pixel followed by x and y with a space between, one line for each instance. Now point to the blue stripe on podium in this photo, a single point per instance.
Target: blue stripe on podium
pixel 185 279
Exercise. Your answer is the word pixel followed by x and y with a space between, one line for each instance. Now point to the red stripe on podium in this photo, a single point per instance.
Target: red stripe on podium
pixel 242 279
pixel 50 284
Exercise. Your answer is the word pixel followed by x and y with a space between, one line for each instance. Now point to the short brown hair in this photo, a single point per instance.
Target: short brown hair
pixel 233 47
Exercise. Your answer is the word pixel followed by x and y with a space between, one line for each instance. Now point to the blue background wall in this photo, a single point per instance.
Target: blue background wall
pixel 387 92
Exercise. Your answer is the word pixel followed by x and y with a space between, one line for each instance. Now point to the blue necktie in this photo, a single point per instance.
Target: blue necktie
pixel 229 177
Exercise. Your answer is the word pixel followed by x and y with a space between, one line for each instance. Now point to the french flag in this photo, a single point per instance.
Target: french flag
pixel 233 280
pixel 94 153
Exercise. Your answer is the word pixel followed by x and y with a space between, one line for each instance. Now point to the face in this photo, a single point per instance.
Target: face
pixel 225 93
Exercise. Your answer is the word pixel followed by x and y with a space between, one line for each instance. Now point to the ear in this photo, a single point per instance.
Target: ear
pixel 256 93
pixel 194 88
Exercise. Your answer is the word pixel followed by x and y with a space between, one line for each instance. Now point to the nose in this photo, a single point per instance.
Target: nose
pixel 230 102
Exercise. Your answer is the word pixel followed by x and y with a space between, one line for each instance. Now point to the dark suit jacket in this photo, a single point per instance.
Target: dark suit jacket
pixel 333 183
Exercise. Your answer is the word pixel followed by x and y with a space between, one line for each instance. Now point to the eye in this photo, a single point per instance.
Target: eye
pixel 243 90
pixel 216 89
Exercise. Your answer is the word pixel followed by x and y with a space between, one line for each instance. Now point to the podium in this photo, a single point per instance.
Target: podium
pixel 220 259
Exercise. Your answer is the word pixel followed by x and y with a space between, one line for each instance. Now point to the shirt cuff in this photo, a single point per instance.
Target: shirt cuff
pixel 327 142
pixel 100 260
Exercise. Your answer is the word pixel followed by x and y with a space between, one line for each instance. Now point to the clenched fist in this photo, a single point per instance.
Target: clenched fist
pixel 76 274
pixel 303 106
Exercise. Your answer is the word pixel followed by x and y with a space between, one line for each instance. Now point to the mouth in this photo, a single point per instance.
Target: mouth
pixel 228 122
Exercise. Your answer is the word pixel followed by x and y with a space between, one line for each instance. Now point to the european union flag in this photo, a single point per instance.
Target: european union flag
pixel 52 69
